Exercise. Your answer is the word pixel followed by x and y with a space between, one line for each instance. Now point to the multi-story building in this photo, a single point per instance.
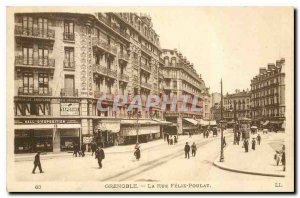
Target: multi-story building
pixel 268 96
pixel 215 98
pixel 238 103
pixel 215 112
pixel 206 105
pixel 180 78
pixel 65 61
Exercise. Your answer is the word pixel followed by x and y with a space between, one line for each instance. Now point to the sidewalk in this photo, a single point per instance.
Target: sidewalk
pixel 257 162
pixel 108 150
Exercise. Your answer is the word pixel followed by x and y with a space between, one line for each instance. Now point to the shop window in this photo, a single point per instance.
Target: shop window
pixel 43 109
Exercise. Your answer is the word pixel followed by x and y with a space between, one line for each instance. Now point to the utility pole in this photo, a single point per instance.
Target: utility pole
pixel 222 121
pixel 234 118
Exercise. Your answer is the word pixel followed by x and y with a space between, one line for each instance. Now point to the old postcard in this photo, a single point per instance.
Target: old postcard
pixel 150 99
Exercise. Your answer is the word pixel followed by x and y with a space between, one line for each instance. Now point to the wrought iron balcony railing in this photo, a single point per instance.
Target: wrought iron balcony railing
pixel 103 45
pixel 65 92
pixel 70 65
pixel 42 91
pixel 68 36
pixel 32 61
pixel 34 32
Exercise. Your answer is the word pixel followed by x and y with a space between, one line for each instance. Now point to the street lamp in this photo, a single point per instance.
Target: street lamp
pixel 222 122
pixel 234 117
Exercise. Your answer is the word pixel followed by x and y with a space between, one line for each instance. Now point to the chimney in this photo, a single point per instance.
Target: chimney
pixel 262 70
pixel 271 66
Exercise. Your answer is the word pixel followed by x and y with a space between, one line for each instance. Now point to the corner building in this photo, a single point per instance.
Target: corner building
pixel 268 96
pixel 180 78
pixel 65 61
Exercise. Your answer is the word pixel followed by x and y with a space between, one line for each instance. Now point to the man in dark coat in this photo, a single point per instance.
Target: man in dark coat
pixel 253 144
pixel 37 163
pixel 137 153
pixel 187 149
pixel 100 156
pixel 245 145
pixel 83 150
pixel 168 139
pixel 93 147
pixel 258 139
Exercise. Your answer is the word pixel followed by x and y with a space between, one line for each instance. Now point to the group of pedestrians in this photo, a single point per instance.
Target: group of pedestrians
pixel 254 141
pixel 171 139
pixel 188 148
pixel 79 151
pixel 279 157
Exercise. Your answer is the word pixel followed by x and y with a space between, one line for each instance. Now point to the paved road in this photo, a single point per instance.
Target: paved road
pixel 159 163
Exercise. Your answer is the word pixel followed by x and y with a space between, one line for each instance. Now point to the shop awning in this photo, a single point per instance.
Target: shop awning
pixel 142 130
pixel 266 123
pixel 35 126
pixel 212 122
pixel 194 122
pixel 68 126
pixel 142 122
pixel 111 126
pixel 163 122
pixel 203 122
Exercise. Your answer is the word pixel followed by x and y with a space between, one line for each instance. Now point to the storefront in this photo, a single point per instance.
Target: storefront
pixel 106 132
pixel 189 126
pixel 32 140
pixel 145 131
pixel 46 135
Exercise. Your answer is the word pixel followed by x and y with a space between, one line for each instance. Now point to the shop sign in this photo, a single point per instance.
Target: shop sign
pixel 69 109
pixel 47 121
pixel 87 140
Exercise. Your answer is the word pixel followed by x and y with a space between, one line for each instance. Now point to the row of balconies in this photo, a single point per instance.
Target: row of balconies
pixel 104 46
pixel 31 91
pixel 113 26
pixel 105 71
pixel 34 62
pixel 35 32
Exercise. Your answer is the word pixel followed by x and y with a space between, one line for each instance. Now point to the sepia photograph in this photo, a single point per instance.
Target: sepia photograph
pixel 150 99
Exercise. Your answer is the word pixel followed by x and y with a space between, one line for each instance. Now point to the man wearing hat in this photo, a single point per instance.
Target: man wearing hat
pixel 37 163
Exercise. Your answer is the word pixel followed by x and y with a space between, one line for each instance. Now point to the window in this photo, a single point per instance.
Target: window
pixel 43 55
pixel 32 108
pixel 174 84
pixel 27 55
pixel 69 31
pixel 43 84
pixel 69 57
pixel 27 25
pixel 43 27
pixel 28 83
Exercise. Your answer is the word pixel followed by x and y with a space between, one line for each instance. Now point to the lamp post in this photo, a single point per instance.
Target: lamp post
pixel 222 121
pixel 234 118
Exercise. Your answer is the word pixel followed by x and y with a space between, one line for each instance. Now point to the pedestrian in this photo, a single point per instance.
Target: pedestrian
pixel 171 140
pixel 175 139
pixel 283 159
pixel 253 144
pixel 258 138
pixel 277 158
pixel 100 155
pixel 187 149
pixel 168 139
pixel 37 163
pixel 75 149
pixel 137 153
pixel 194 149
pixel 83 148
pixel 245 145
pixel 204 133
pixel 93 147
pixel 207 133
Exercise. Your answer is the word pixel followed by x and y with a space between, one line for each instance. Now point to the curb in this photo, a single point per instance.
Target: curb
pixel 247 172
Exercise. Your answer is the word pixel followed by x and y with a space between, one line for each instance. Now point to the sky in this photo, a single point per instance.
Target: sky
pixel 228 43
